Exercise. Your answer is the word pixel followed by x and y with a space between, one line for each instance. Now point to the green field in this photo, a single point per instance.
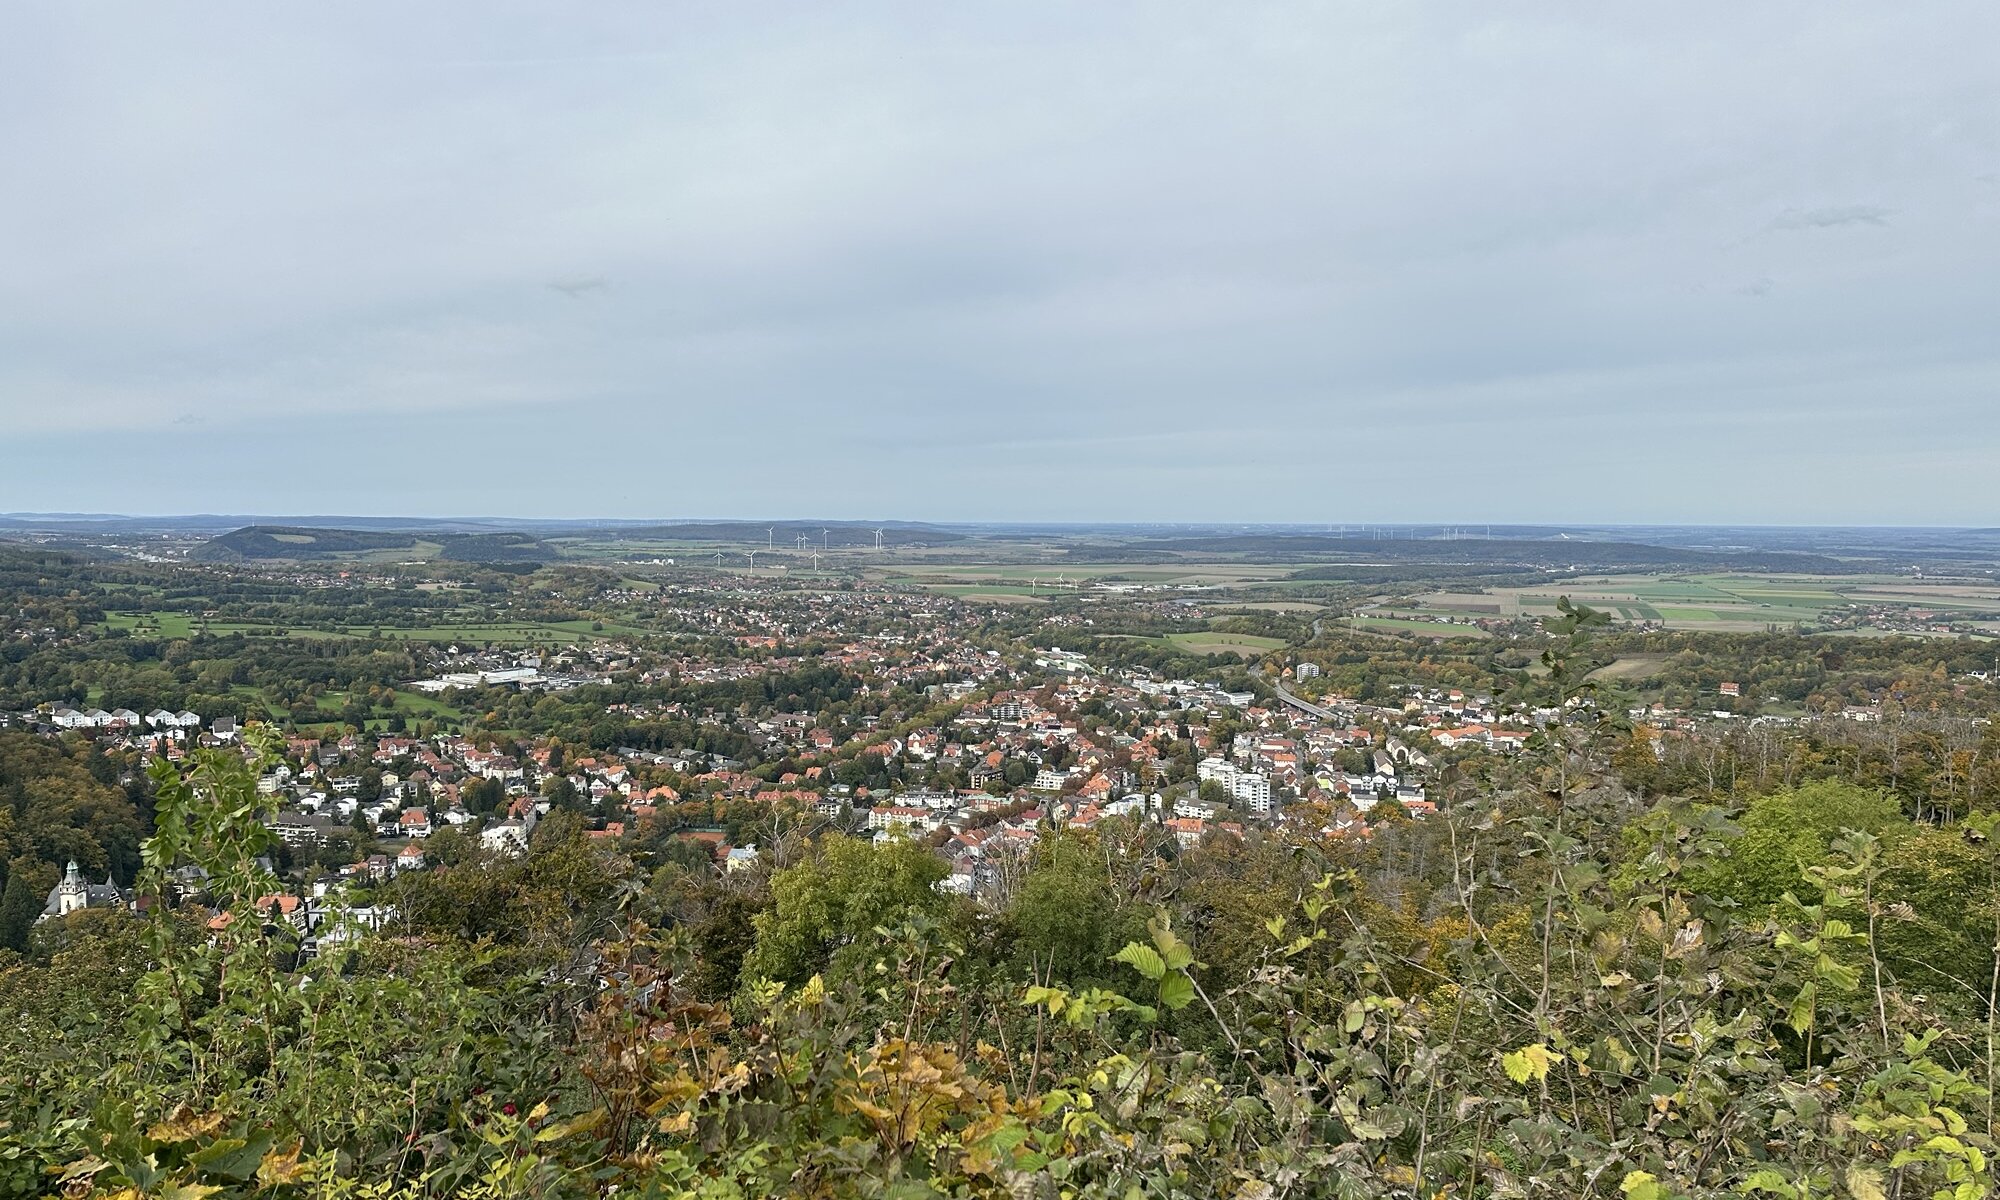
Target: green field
pixel 181 625
pixel 413 705
pixel 1683 615
pixel 518 633
pixel 1191 573
pixel 1724 602
pixel 1369 622
pixel 1246 644
pixel 1632 667
pixel 993 591
pixel 1270 606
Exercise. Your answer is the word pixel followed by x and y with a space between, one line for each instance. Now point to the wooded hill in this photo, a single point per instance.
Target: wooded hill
pixel 298 543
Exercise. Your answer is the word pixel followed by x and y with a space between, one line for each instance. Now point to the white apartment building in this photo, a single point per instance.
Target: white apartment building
pixel 1248 788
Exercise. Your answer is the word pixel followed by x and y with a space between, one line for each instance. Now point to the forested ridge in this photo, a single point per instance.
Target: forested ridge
pixel 1557 985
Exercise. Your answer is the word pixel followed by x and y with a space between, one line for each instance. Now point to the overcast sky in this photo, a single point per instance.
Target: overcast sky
pixel 1209 261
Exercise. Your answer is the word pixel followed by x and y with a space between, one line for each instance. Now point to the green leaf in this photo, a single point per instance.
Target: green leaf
pixel 1838 976
pixel 1143 959
pixel 1005 1137
pixel 1800 1018
pixel 1367 1130
pixel 232 1158
pixel 1176 992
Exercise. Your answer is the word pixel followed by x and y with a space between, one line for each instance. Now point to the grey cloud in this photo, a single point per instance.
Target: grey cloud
pixel 1830 218
pixel 1116 260
pixel 577 289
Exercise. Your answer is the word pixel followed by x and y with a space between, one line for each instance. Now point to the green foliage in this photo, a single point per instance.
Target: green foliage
pixel 1066 919
pixel 28 882
pixel 826 909
pixel 1786 833
pixel 54 809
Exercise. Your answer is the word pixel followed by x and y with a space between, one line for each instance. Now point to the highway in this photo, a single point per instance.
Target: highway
pixel 1304 706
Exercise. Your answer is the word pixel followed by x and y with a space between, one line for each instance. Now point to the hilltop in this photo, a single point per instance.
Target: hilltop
pixel 296 543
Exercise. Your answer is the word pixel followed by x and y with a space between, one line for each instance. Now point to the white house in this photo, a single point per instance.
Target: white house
pixel 75 892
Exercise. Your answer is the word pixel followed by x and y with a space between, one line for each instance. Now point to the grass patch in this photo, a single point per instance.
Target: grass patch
pixel 991 589
pixel 502 633
pixel 1688 614
pixel 1631 667
pixel 1434 629
pixel 1247 645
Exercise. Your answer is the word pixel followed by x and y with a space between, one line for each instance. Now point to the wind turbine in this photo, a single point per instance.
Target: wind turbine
pixel 753 558
pixel 815 557
pixel 771 538
pixel 822 539
pixel 878 539
pixel 718 558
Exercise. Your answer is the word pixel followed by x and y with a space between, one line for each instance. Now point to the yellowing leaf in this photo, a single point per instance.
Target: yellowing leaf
pixel 1642 1185
pixel 868 1108
pixel 277 1170
pixel 1530 1062
pixel 1864 1182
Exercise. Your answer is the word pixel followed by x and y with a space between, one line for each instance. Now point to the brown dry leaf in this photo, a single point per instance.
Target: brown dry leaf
pixel 184 1126
pixel 279 1169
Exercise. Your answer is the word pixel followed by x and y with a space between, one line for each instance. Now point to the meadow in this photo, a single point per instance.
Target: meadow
pixel 1373 622
pixel 1245 645
pixel 1728 602
pixel 1155 574
pixel 414 706
pixel 501 633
